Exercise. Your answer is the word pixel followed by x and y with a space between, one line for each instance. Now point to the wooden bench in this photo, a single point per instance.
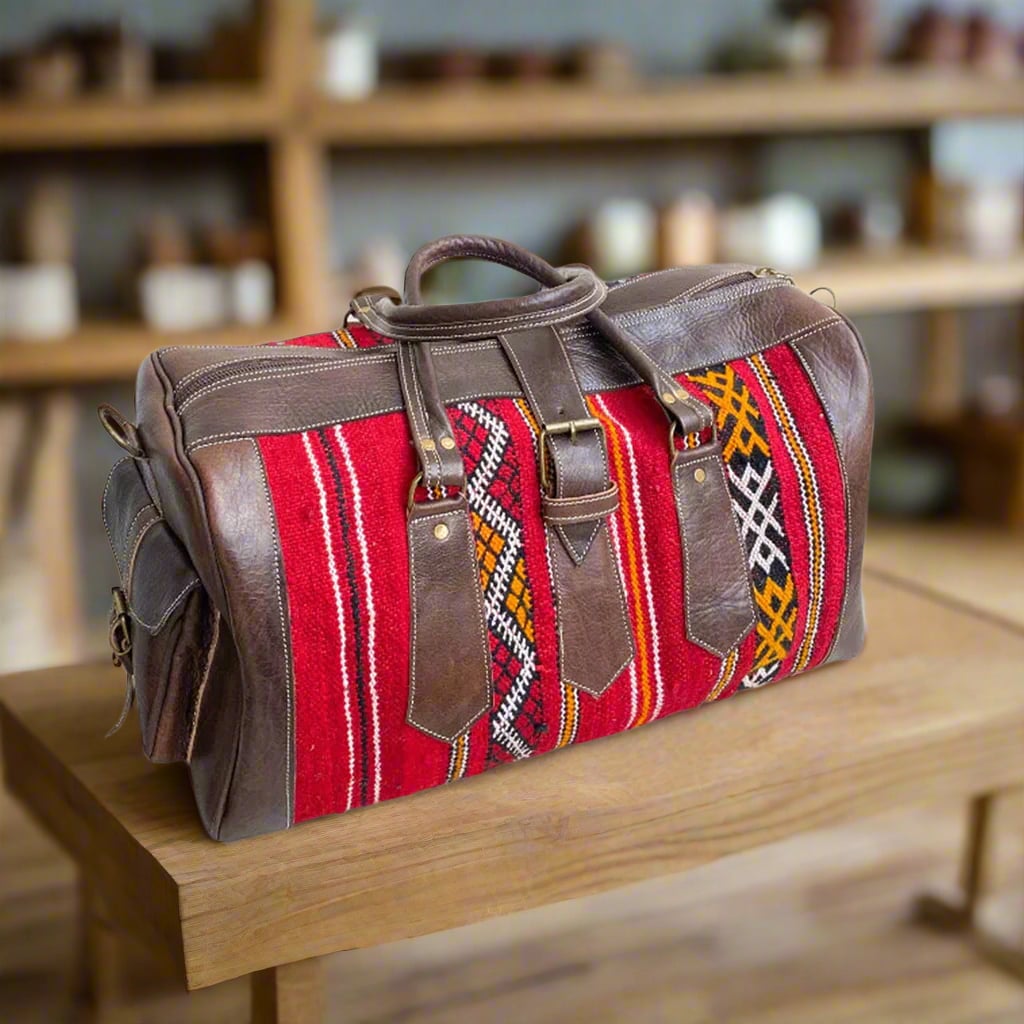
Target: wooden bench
pixel 934 708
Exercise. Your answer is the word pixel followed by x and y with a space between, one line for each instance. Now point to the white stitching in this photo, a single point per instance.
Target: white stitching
pixel 420 427
pixel 103 508
pixel 414 542
pixel 626 625
pixel 284 632
pixel 678 468
pixel 547 316
pixel 264 353
pixel 846 492
pixel 167 612
pixel 129 569
pixel 274 373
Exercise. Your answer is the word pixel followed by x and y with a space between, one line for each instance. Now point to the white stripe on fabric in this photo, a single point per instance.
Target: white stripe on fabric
pixel 332 568
pixel 371 611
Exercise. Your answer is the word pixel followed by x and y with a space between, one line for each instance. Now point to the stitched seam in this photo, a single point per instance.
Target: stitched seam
pixel 129 570
pixel 600 495
pixel 131 526
pixel 275 374
pixel 555 315
pixel 211 650
pixel 596 691
pixel 415 541
pixel 695 289
pixel 843 608
pixel 414 403
pixel 103 509
pixel 284 633
pixel 224 437
pixel 716 299
pixel 272 353
pixel 678 472
pixel 167 612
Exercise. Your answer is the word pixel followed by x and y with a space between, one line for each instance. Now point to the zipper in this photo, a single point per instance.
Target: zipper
pixel 222 376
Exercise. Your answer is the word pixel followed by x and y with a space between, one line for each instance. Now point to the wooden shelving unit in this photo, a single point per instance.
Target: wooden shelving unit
pixel 298 130
pixel 101 352
pixel 182 116
pixel 904 279
pixel 702 106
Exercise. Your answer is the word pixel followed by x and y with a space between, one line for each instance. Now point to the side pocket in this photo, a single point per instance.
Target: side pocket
pixel 171 626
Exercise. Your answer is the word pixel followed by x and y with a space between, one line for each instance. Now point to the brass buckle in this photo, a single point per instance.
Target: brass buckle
pixel 120 635
pixel 570 427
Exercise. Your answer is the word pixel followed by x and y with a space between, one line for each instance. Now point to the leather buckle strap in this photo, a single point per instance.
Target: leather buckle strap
pixel 570 427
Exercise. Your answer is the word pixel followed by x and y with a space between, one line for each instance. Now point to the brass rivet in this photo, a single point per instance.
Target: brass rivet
pixel 428 445
pixel 448 442
pixel 699 475
pixel 441 531
pixel 668 398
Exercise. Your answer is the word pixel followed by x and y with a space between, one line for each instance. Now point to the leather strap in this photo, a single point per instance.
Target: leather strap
pixel 716 580
pixel 450 659
pixel 595 637
pixel 450 663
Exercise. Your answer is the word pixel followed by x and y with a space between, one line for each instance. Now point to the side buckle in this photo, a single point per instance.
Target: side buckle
pixel 570 427
pixel 120 636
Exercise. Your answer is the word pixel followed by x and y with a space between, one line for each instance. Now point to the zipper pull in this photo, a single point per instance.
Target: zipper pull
pixel 772 272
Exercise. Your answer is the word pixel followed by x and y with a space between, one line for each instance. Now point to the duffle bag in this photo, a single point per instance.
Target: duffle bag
pixel 441 538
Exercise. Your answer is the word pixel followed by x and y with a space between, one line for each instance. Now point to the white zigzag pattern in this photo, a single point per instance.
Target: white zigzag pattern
pixel 499 619
pixel 759 517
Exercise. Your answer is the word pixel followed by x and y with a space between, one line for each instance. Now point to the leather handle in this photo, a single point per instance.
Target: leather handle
pixel 475 247
pixel 566 293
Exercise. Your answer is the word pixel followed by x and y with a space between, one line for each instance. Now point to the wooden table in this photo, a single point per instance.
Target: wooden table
pixel 934 707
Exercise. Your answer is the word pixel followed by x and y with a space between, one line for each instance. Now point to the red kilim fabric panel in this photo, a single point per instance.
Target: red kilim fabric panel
pixel 340 508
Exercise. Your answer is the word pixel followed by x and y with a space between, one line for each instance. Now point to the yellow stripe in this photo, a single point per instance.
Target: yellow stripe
pixel 636 587
pixel 807 475
pixel 571 703
pixel 724 676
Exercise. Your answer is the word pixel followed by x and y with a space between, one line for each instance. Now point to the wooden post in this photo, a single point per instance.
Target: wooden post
pixel 961 914
pixel 299 194
pixel 941 395
pixel 289 994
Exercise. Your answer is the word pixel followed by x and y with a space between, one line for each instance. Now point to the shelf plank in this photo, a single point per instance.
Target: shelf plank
pixel 173 116
pixel 905 279
pixel 101 352
pixel 754 104
pixel 916 278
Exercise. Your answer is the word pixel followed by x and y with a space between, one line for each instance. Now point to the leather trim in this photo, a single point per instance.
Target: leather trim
pixel 581 293
pixel 353 385
pixel 837 366
pixel 241 517
pixel 563 511
pixel 450 659
pixel 595 636
pixel 580 463
pixel 719 609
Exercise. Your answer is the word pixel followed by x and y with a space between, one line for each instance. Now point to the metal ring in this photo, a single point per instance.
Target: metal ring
pixel 825 288
pixel 123 432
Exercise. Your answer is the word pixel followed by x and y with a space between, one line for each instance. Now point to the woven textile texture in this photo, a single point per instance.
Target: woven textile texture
pixel 339 497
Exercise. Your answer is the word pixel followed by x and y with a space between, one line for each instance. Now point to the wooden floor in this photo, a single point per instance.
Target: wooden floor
pixel 811 930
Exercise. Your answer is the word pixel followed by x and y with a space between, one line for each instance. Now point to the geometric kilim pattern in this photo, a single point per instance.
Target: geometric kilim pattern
pixel 493 493
pixel 756 501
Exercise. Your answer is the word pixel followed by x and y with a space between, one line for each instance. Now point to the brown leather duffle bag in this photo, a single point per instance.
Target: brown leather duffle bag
pixel 441 538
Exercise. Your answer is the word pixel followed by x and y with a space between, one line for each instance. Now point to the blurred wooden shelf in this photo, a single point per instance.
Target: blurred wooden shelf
pixel 906 279
pixel 751 104
pixel 915 278
pixel 189 114
pixel 101 352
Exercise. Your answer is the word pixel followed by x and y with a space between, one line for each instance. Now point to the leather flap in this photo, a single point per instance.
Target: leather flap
pixel 719 608
pixel 156 573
